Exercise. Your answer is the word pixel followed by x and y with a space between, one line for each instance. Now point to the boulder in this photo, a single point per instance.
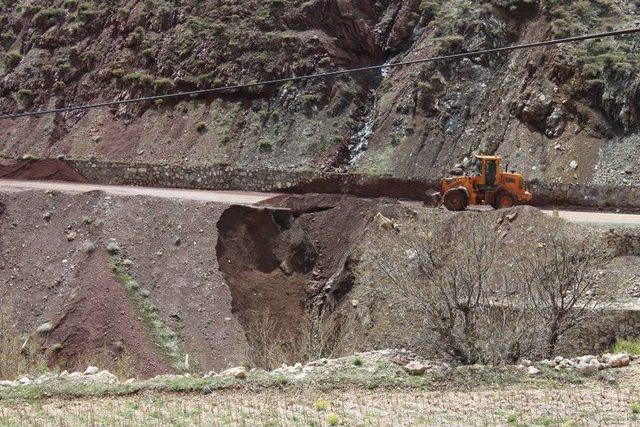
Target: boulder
pixel 239 372
pixel 384 222
pixel 113 248
pixel 532 370
pixel 75 376
pixel 103 377
pixel 526 362
pixel 619 360
pixel 45 378
pixel 91 370
pixel 416 368
pixel 45 328
pixel 588 368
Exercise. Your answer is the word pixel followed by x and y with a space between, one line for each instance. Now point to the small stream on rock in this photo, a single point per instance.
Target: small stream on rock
pixel 360 141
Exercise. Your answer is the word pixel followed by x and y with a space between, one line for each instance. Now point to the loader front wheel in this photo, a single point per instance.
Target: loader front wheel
pixel 504 200
pixel 456 200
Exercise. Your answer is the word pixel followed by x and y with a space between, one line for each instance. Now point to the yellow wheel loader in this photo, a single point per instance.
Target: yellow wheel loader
pixel 490 185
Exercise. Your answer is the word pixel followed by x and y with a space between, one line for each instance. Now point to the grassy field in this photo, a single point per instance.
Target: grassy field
pixel 468 397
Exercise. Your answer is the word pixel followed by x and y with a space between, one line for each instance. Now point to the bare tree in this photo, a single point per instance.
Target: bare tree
pixel 559 275
pixel 444 273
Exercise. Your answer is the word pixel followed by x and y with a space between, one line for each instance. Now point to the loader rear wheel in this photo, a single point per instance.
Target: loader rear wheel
pixel 504 200
pixel 456 200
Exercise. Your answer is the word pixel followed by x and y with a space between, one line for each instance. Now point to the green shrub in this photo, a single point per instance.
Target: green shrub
pixel 48 17
pixel 149 53
pixel 23 95
pixel 117 72
pixel 88 58
pixel 450 42
pixel 64 66
pixel 429 7
pixel 266 146
pixel 19 354
pixel 321 405
pixel 140 78
pixel 135 38
pixel 162 84
pixel 58 86
pixel 11 59
pixel 308 102
pixel 201 128
pixel 7 36
pixel 635 408
pixel 333 419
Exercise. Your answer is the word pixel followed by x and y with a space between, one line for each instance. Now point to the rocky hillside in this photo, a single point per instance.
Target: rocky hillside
pixel 566 113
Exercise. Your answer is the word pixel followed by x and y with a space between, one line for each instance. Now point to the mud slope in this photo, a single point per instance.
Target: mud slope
pixel 54 267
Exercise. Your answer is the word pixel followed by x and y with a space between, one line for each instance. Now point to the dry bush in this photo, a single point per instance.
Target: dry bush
pixel 271 344
pixel 559 273
pixel 19 353
pixel 451 289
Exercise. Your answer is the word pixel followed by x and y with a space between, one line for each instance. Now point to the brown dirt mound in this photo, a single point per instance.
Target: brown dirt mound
pixel 46 170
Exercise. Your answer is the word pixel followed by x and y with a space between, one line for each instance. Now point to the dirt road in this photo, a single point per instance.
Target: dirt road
pixel 245 197
pixel 242 197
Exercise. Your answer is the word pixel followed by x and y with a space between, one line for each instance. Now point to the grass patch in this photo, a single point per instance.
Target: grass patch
pixel 388 376
pixel 165 338
pixel 626 346
pixel 321 405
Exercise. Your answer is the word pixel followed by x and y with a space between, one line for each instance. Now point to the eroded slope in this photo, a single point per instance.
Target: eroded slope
pixel 542 109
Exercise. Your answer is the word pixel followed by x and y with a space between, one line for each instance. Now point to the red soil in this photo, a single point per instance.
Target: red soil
pixel 45 170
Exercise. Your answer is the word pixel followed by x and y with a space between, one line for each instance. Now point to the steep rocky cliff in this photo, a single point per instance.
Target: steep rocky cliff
pixel 566 113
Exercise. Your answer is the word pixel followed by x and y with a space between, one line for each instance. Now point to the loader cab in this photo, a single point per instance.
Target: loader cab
pixel 489 166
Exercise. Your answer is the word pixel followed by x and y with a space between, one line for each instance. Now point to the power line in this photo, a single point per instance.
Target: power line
pixel 323 75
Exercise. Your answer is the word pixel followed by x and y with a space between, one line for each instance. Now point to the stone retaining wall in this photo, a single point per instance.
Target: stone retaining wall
pixel 624 242
pixel 220 177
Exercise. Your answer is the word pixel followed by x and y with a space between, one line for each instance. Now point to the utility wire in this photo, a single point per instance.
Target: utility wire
pixel 323 75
